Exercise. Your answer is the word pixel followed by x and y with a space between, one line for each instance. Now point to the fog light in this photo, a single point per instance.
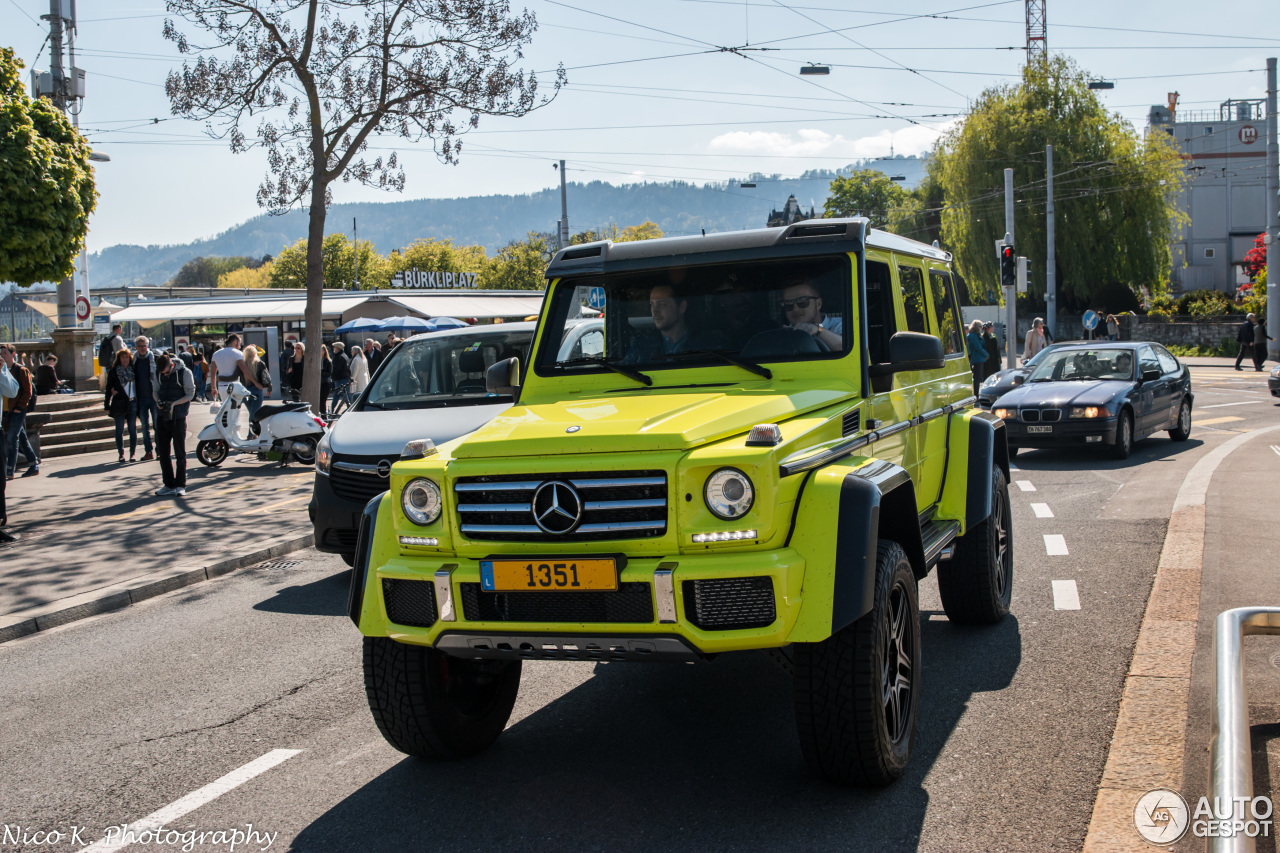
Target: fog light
pixel 723 536
pixel 1092 439
pixel 419 540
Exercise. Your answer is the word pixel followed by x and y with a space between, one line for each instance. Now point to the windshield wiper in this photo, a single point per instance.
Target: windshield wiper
pixel 724 356
pixel 609 365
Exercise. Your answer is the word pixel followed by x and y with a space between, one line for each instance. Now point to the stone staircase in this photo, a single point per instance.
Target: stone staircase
pixel 79 425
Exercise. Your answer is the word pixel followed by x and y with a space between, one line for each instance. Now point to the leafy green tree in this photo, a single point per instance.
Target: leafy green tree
pixel 519 265
pixel 315 82
pixel 205 272
pixel 646 230
pixel 870 193
pixel 247 278
pixel 1114 192
pixel 289 269
pixel 46 184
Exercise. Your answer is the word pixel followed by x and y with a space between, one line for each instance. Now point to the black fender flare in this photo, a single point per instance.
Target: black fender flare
pixel 876 501
pixel 364 548
pixel 988 446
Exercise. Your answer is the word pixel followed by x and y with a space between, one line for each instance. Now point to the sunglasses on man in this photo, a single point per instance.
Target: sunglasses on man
pixel 800 302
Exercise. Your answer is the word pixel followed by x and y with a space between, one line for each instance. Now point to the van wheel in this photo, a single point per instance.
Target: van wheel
pixel 976 584
pixel 430 705
pixel 857 693
pixel 212 453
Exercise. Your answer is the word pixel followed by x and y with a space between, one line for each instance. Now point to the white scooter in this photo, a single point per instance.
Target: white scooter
pixel 286 428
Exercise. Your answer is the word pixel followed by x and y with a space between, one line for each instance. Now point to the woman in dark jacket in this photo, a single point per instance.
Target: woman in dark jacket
pixel 296 365
pixel 121 401
pixel 326 378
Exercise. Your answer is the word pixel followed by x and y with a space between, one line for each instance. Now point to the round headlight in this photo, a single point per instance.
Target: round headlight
pixel 421 501
pixel 729 493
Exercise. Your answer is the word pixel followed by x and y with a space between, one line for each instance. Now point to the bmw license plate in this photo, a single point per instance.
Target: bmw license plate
pixel 1035 429
pixel 549 574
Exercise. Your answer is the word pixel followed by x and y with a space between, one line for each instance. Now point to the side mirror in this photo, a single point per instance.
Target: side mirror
pixel 1150 375
pixel 1019 379
pixel 503 377
pixel 915 351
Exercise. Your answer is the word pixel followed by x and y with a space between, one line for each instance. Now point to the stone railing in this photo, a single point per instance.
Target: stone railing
pixel 32 353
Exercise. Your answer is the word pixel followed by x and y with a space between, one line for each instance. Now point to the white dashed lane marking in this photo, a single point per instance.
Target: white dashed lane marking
pixel 1065 595
pixel 1042 510
pixel 1224 405
pixel 1025 485
pixel 1055 545
pixel 193 801
pixel 1276 448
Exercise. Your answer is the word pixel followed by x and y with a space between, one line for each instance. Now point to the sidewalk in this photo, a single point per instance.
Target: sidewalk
pixel 95 537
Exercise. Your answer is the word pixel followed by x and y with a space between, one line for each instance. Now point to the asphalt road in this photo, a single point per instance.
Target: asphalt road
pixel 112 719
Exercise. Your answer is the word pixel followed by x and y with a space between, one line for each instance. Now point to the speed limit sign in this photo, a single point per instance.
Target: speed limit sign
pixel 82 308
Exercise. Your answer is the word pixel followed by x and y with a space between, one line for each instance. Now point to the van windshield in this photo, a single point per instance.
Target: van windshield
pixel 445 370
pixel 735 315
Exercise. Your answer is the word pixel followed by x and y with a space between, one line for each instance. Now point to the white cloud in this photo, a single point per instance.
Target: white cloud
pixel 810 142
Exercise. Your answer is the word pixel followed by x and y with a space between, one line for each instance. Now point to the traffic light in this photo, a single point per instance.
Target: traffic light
pixel 1008 267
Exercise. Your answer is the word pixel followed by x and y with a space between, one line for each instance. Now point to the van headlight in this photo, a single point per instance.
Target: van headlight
pixel 324 454
pixel 420 501
pixel 728 493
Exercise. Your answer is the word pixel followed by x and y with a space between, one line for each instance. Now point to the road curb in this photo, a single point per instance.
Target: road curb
pixel 24 623
pixel 1149 741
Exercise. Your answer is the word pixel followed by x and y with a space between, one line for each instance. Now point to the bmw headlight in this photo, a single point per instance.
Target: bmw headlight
pixel 729 493
pixel 324 454
pixel 1006 414
pixel 1089 412
pixel 420 501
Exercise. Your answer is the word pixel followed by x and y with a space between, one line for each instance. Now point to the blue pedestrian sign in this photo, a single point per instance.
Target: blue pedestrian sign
pixel 1090 320
pixel 595 299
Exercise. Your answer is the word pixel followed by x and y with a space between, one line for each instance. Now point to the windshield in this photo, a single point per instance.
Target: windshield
pixel 1084 364
pixel 732 315
pixel 432 371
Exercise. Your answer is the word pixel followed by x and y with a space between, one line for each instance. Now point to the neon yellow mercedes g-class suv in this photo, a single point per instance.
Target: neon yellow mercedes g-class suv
pixel 770 441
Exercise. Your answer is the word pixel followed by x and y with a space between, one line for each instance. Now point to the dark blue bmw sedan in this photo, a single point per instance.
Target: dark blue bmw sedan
pixel 1110 394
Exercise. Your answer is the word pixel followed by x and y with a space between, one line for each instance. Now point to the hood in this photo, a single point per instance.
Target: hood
pixel 385 433
pixel 676 421
pixel 1096 393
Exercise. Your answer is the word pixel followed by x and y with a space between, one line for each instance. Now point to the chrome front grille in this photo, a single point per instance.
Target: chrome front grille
pixel 613 505
pixel 356 478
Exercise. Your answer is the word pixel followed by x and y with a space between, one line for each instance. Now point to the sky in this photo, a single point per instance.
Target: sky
pixel 652 96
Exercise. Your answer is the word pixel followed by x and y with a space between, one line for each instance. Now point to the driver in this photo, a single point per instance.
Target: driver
pixel 803 309
pixel 1124 365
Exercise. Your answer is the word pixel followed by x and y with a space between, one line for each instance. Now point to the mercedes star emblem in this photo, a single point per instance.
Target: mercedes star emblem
pixel 557 508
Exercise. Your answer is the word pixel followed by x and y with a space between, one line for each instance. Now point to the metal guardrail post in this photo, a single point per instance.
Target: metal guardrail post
pixel 1230 751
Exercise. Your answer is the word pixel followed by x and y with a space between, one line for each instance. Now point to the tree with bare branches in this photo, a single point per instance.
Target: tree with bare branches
pixel 326 79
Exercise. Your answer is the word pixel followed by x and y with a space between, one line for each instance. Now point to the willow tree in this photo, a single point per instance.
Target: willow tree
pixel 317 83
pixel 1115 192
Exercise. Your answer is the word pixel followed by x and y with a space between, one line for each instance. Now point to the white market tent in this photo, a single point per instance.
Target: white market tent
pixel 335 305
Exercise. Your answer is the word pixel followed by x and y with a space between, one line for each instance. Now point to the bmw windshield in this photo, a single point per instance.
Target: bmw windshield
pixel 736 316
pixel 1083 365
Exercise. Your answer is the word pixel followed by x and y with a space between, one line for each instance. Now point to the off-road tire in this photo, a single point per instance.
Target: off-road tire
pixel 1124 436
pixel 1182 431
pixel 976 584
pixel 849 733
pixel 212 453
pixel 430 705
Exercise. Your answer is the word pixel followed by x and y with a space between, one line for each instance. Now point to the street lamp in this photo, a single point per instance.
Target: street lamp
pixel 815 69
pixel 747 185
pixel 1101 84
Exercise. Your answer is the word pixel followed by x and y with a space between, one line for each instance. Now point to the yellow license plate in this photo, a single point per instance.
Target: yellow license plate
pixel 548 574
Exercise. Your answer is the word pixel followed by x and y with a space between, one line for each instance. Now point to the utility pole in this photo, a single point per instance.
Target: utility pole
pixel 1037 31
pixel 1051 256
pixel 1010 297
pixel 57 10
pixel 564 209
pixel 1273 213
pixel 355 236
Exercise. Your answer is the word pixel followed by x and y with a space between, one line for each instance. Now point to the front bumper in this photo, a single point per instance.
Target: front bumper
pixel 1066 433
pixel 334 519
pixel 676 608
pixel 1273 384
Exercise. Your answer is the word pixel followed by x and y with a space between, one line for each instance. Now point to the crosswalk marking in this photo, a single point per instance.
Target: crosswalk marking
pixel 1065 595
pixel 1026 485
pixel 1055 545
pixel 1042 510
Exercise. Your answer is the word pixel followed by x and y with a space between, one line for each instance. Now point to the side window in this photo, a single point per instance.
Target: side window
pixel 947 311
pixel 1168 363
pixel 880 319
pixel 1147 360
pixel 913 297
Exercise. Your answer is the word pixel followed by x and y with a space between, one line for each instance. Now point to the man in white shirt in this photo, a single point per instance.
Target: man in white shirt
pixel 803 309
pixel 228 364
